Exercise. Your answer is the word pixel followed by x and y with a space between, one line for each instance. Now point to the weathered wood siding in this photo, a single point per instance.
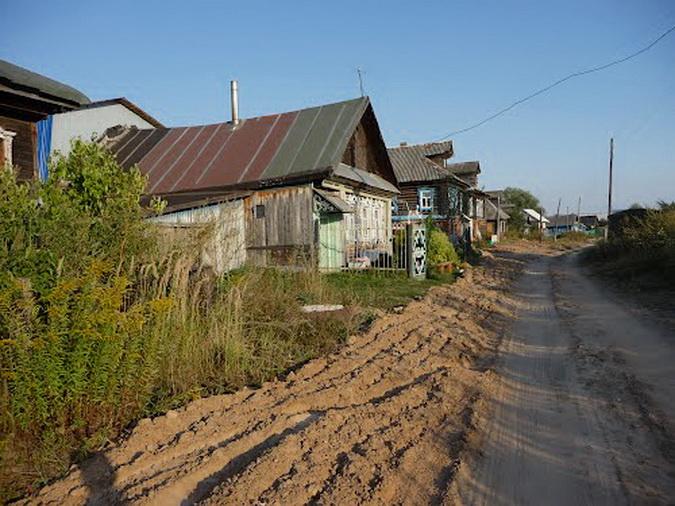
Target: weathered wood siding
pixel 24 146
pixel 408 200
pixel 369 226
pixel 282 231
pixel 366 151
pixel 219 231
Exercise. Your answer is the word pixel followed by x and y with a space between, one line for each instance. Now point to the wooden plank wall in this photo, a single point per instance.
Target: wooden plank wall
pixel 409 196
pixel 217 230
pixel 24 147
pixel 366 150
pixel 286 233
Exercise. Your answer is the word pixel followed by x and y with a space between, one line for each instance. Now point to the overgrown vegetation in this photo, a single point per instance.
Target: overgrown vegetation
pixel 644 248
pixel 100 327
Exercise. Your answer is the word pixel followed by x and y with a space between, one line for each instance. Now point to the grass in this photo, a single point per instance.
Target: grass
pixel 383 291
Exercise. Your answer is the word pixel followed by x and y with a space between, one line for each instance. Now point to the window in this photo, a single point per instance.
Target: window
pixel 259 211
pixel 453 201
pixel 426 199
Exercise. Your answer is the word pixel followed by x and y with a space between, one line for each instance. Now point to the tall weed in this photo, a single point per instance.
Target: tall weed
pixel 97 329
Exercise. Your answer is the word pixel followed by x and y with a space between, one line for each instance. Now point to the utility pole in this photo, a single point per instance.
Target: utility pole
pixel 557 219
pixel 579 210
pixel 541 224
pixel 499 210
pixel 609 194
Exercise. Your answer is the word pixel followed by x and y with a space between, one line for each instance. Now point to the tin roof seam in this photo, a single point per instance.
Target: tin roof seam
pixel 330 135
pixel 220 150
pixel 339 149
pixel 166 152
pixel 131 153
pixel 304 140
pixel 196 157
pixel 178 158
pixel 260 147
pixel 132 133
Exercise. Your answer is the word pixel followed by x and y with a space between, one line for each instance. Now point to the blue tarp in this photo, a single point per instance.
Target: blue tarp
pixel 44 146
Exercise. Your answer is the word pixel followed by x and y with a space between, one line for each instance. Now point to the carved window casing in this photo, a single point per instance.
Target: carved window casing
pixel 6 139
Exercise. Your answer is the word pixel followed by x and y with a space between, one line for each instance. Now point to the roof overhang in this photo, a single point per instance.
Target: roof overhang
pixel 361 179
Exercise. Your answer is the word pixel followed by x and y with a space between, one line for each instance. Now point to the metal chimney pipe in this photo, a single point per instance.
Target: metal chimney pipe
pixel 234 101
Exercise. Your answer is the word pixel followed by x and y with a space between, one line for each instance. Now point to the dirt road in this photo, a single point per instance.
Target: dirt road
pixel 583 411
pixel 438 404
pixel 382 421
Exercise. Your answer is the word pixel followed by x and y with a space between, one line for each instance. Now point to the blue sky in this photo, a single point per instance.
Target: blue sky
pixel 430 68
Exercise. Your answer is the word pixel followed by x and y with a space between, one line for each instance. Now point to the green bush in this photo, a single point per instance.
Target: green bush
pixel 646 246
pixel 440 249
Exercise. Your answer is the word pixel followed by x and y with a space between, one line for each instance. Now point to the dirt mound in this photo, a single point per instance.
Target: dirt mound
pixel 383 420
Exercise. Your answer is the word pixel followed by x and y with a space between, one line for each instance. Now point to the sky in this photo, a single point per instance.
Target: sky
pixel 430 68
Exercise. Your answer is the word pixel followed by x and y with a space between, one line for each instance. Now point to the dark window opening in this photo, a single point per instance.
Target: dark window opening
pixel 259 211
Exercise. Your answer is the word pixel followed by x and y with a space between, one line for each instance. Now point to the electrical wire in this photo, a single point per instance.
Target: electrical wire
pixel 561 81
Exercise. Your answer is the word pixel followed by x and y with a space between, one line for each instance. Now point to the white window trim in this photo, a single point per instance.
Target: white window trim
pixel 7 137
pixel 426 194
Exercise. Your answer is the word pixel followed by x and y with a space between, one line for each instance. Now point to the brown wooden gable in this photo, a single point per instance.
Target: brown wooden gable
pixel 366 149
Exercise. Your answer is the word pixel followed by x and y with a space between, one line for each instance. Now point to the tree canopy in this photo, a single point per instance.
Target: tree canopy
pixel 519 199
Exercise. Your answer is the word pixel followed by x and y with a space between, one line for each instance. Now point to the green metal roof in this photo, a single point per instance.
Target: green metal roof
pixel 21 79
pixel 317 138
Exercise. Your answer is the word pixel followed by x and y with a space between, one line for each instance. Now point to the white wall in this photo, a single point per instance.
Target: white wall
pixel 87 122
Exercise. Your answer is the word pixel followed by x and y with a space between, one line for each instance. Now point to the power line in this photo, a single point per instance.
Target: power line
pixel 560 81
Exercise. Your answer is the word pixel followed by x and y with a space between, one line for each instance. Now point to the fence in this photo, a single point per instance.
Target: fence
pixel 221 233
pixel 400 247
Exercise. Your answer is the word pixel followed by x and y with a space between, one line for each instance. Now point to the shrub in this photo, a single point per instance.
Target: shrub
pixel 645 246
pixel 440 249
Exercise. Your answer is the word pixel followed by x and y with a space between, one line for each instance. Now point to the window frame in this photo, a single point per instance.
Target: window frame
pixel 423 194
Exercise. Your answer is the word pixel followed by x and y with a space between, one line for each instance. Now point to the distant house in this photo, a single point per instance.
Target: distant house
pixel 590 221
pixel 92 120
pixel 427 188
pixel 27 101
pixel 564 223
pixel 430 189
pixel 534 221
pixel 311 184
pixel 466 171
pixel 492 211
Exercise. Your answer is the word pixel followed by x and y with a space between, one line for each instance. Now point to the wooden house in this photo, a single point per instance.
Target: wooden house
pixel 466 171
pixel 534 221
pixel 27 101
pixel 309 185
pixel 430 187
pixel 496 219
pixel 564 223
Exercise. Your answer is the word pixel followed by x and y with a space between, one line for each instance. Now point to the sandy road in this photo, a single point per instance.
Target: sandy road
pixel 383 421
pixel 546 392
pixel 583 411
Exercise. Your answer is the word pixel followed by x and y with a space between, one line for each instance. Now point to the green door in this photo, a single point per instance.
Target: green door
pixel 331 241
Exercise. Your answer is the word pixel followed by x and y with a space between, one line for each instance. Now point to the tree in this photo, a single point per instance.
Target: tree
pixel 518 199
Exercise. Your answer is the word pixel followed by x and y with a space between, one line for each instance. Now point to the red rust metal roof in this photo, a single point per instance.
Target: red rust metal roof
pixel 276 147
